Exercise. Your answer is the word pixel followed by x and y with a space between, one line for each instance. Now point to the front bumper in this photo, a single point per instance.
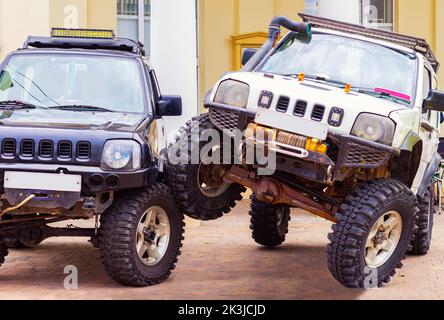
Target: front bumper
pixel 90 176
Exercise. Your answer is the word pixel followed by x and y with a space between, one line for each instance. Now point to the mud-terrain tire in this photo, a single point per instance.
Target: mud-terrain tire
pixel 422 238
pixel 185 178
pixel 378 209
pixel 268 223
pixel 139 217
pixel 3 252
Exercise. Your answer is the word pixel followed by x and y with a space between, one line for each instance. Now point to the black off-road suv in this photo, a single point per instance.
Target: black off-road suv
pixel 78 140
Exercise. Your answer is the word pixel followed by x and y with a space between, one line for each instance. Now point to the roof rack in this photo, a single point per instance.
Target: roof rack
pixel 417 44
pixel 89 39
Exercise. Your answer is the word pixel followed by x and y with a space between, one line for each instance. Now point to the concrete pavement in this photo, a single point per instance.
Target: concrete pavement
pixel 221 261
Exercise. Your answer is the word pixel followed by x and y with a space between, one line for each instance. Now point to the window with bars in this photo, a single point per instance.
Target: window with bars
pixel 134 20
pixel 377 14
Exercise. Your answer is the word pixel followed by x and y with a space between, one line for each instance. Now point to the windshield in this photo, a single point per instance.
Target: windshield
pixel 58 80
pixel 344 60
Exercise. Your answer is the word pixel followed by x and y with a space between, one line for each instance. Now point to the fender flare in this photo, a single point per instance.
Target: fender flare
pixel 410 141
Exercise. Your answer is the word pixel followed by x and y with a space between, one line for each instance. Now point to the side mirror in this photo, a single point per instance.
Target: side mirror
pixel 170 106
pixel 435 101
pixel 247 55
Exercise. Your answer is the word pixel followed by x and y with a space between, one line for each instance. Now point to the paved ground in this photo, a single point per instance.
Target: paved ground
pixel 220 261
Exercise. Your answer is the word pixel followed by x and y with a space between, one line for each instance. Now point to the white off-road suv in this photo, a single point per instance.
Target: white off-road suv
pixel 351 116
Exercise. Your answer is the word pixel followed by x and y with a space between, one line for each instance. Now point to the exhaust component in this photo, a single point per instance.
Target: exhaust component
pixel 274 32
pixel 274 192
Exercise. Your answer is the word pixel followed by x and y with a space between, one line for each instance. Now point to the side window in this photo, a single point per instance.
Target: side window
pixel 427 86
pixel 155 83
pixel 427 83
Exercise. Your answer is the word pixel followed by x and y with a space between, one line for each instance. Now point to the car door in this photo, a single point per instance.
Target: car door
pixel 429 128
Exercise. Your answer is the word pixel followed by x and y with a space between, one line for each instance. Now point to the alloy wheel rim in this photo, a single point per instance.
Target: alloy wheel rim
pixel 383 239
pixel 153 236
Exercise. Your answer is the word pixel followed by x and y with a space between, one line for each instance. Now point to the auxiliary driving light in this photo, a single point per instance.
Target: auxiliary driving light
pixel 82 33
pixel 265 99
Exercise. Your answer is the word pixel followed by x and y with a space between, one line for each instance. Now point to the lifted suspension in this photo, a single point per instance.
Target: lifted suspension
pixel 273 191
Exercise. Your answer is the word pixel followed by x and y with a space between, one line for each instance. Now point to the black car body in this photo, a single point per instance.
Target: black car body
pixel 72 141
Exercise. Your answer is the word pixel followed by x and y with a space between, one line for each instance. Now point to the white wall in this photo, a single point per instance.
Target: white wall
pixel 174 54
pixel 343 10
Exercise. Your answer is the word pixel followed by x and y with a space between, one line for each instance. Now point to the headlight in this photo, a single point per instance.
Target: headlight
pixel 121 155
pixel 374 128
pixel 233 93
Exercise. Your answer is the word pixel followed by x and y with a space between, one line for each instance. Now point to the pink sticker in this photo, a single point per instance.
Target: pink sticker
pixel 393 93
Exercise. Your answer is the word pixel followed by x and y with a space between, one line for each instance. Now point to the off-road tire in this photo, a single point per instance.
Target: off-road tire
pixel 118 231
pixel 3 252
pixel 357 215
pixel 183 178
pixel 266 228
pixel 422 238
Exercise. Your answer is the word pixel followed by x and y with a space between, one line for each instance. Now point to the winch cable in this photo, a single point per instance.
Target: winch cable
pixel 21 204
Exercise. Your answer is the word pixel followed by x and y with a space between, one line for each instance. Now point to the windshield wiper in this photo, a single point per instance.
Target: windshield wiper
pixel 318 77
pixel 81 108
pixel 381 94
pixel 18 105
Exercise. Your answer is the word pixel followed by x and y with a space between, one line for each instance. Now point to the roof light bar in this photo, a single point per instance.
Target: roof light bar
pixel 82 33
pixel 417 44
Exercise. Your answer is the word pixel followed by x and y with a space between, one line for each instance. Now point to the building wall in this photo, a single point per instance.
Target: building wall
pixel 18 19
pixel 343 10
pixel 423 19
pixel 219 20
pixel 21 18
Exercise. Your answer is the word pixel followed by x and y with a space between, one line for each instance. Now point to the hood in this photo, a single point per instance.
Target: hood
pixel 314 93
pixel 61 119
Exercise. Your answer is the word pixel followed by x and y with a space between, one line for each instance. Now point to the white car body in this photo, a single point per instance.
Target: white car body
pixel 407 119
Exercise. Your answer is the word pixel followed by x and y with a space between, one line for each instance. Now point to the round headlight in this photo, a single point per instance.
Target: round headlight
pixel 374 128
pixel 121 155
pixel 233 93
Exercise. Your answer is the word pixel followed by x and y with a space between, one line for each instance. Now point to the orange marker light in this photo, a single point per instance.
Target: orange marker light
pixel 348 88
pixel 301 76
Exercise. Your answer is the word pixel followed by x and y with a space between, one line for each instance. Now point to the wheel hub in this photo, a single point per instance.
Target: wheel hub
pixel 149 235
pixel 383 239
pixel 379 238
pixel 153 236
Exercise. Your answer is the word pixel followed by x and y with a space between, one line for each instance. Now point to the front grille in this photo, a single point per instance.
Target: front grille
pixel 8 147
pixel 300 108
pixel 83 150
pixel 318 112
pixel 46 149
pixel 356 155
pixel 27 148
pixel 224 120
pixel 282 105
pixel 64 150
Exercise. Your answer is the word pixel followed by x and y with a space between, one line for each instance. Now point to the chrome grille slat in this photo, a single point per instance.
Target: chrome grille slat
pixel 27 148
pixel 8 147
pixel 46 149
pixel 318 113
